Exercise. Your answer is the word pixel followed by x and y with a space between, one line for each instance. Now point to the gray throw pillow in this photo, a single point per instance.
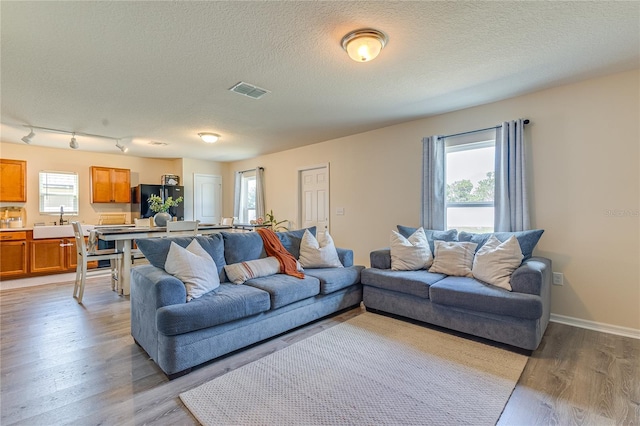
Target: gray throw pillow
pixel 526 239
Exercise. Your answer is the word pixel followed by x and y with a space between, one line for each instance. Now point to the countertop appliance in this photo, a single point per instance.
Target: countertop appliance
pixel 140 194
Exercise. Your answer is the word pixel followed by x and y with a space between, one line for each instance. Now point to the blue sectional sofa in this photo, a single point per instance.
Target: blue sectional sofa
pixel 179 335
pixel 518 317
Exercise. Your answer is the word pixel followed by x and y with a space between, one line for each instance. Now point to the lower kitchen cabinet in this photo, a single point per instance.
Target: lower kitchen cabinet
pixel 55 255
pixel 13 254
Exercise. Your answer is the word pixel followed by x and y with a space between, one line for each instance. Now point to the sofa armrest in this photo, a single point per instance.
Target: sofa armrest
pixel 532 276
pixel 151 285
pixel 380 259
pixel 345 256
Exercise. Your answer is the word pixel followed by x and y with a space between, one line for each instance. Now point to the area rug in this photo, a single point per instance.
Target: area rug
pixel 370 370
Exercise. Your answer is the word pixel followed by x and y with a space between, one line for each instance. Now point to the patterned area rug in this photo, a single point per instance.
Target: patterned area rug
pixel 370 370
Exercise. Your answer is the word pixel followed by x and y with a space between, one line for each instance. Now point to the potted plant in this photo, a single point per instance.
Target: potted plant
pixel 273 223
pixel 161 208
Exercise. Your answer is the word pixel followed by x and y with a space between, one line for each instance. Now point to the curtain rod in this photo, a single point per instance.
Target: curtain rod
pixel 250 170
pixel 476 131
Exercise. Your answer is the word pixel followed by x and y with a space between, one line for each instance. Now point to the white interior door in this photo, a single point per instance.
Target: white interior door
pixel 207 198
pixel 314 197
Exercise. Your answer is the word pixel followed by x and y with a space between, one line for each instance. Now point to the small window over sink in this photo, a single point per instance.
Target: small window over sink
pixel 58 190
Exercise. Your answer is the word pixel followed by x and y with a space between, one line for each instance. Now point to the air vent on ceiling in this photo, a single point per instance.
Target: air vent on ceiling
pixel 249 90
pixel 156 143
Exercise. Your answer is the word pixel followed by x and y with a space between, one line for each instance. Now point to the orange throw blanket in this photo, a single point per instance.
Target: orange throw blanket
pixel 273 247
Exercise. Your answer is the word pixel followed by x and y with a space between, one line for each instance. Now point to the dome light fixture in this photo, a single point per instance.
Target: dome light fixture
pixel 365 44
pixel 209 137
pixel 73 143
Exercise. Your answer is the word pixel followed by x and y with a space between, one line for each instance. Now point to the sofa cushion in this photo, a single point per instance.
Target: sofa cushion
pixel 244 246
pixel 229 302
pixel 412 253
pixel 238 273
pixel 156 249
pixel 526 239
pixel 432 234
pixel 453 258
pixel 410 282
pixel 285 289
pixel 334 279
pixel 495 262
pixel 469 293
pixel 194 267
pixel 318 252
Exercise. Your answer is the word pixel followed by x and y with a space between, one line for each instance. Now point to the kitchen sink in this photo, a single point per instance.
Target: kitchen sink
pixel 58 231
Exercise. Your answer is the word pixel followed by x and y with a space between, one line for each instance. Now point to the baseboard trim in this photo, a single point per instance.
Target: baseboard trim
pixel 597 326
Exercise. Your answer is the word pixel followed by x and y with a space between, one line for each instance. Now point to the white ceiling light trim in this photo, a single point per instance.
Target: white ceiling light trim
pixel 209 137
pixel 365 44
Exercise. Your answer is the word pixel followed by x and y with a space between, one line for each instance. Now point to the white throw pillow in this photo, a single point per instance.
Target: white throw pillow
pixel 495 261
pixel 410 254
pixel 194 267
pixel 238 273
pixel 453 258
pixel 318 253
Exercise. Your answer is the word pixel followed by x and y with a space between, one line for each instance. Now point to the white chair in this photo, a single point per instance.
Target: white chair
pixel 142 222
pixel 183 226
pixel 227 221
pixel 84 256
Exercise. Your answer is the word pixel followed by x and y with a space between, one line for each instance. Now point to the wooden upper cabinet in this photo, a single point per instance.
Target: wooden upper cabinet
pixel 13 180
pixel 110 185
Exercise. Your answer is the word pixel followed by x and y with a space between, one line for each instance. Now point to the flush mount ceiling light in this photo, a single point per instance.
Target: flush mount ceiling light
pixel 365 44
pixel 121 147
pixel 73 143
pixel 27 139
pixel 209 137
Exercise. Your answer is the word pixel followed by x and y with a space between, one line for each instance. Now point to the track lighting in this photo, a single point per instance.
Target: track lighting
pixel 121 147
pixel 27 139
pixel 73 144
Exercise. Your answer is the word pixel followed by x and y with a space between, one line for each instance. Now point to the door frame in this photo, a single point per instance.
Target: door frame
pixel 299 191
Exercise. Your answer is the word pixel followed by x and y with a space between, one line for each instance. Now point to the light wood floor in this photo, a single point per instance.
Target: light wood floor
pixel 64 363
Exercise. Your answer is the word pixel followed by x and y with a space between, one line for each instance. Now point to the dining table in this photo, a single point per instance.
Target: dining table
pixel 123 236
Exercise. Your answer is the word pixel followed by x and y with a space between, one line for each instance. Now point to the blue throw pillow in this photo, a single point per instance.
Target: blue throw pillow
pixel 526 239
pixel 245 246
pixel 432 234
pixel 291 240
pixel 156 249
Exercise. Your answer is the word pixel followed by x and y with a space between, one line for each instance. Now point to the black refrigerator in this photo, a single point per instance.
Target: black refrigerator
pixel 140 194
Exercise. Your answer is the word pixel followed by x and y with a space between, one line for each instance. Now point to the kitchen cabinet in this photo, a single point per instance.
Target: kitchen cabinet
pixel 13 254
pixel 54 255
pixel 13 178
pixel 110 185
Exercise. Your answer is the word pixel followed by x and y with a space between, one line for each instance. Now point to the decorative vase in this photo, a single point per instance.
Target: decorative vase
pixel 161 218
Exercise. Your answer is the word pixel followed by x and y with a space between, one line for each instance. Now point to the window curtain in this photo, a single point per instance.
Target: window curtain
pixel 511 199
pixel 260 192
pixel 237 188
pixel 433 202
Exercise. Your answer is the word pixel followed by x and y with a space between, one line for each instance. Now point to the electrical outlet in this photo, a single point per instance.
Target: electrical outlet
pixel 558 278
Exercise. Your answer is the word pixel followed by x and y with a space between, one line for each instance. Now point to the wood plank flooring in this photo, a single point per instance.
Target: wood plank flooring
pixel 65 363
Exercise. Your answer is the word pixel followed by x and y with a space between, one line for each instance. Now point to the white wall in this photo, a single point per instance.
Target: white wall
pixel 584 158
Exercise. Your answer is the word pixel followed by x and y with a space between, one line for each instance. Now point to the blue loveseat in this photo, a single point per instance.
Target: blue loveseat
pixel 518 317
pixel 179 335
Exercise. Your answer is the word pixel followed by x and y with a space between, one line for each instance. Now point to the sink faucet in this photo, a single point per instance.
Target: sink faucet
pixel 62 221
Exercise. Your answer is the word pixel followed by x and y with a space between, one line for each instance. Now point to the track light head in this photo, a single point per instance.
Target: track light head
pixel 73 144
pixel 27 139
pixel 121 147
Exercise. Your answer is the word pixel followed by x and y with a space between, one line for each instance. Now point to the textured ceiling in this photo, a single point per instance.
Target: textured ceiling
pixel 160 71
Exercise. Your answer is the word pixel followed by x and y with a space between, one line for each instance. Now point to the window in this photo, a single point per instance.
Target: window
pixel 470 182
pixel 58 190
pixel 247 197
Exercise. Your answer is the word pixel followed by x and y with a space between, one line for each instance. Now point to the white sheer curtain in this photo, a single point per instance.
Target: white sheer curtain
pixel 237 188
pixel 511 198
pixel 433 183
pixel 260 209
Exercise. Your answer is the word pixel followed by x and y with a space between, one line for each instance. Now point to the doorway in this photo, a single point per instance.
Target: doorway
pixel 313 196
pixel 207 198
